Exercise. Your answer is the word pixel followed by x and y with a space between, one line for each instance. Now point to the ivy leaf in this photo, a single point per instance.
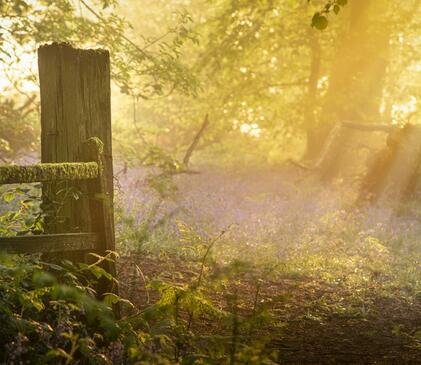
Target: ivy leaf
pixel 336 9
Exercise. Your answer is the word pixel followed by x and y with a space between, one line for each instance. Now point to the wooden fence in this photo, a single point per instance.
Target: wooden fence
pixel 75 151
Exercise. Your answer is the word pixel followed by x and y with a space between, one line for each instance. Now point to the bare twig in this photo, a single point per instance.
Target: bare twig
pixel 139 271
pixel 298 164
pixel 99 17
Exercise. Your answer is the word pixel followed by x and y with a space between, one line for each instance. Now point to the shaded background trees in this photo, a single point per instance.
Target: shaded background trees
pixel 269 81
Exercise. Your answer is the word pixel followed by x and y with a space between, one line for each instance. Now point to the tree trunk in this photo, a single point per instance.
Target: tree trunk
pixel 357 74
pixel 309 112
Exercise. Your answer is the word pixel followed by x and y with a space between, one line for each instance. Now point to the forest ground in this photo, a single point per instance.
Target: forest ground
pixel 336 285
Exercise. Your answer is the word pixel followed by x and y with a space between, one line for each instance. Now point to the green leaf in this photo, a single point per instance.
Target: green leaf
pixel 9 196
pixel 99 272
pixel 319 21
pixel 59 353
pixel 65 292
pixel 110 299
pixel 336 9
pixel 42 279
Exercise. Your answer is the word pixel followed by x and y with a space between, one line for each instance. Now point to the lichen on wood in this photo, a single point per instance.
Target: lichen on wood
pixel 13 174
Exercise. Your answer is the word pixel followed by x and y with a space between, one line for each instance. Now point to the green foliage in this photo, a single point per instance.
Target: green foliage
pixel 320 20
pixel 20 210
pixel 142 66
pixel 139 69
pixel 181 307
pixel 253 64
pixel 49 313
pixel 270 81
pixel 17 131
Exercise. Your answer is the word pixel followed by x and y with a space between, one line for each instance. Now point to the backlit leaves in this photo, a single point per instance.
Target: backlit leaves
pixel 320 20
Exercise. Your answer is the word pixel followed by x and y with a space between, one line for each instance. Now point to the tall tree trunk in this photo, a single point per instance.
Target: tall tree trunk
pixel 346 66
pixel 357 74
pixel 309 112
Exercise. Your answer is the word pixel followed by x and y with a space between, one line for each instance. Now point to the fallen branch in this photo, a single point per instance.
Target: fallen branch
pixel 196 140
pixel 298 164
pixel 366 127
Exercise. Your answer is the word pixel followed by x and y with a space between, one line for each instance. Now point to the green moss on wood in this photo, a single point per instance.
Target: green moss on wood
pixel 96 144
pixel 94 151
pixel 12 174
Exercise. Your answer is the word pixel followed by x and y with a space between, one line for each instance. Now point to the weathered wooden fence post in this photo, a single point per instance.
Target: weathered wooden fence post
pixel 75 106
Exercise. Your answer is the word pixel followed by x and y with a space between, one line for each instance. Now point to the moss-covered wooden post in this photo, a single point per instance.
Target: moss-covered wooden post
pixel 76 106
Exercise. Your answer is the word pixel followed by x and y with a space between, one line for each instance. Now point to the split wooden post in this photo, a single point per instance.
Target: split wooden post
pixel 76 106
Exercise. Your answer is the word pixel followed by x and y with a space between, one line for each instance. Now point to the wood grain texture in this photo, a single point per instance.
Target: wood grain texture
pixel 75 108
pixel 54 243
pixel 75 105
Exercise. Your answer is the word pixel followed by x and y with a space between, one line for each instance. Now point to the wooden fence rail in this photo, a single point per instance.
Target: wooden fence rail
pixel 51 243
pixel 45 172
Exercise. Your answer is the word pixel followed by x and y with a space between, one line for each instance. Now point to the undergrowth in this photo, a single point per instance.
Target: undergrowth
pixel 197 296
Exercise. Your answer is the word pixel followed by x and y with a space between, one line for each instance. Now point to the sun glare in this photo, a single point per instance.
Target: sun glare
pixel 18 64
pixel 402 111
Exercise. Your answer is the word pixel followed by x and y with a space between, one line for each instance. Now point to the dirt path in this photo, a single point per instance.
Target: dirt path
pixel 313 322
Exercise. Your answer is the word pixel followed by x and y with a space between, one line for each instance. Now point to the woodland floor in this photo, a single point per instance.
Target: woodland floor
pixel 316 321
pixel 310 329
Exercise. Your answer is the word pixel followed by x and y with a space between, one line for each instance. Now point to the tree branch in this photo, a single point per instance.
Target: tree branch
pixel 196 139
